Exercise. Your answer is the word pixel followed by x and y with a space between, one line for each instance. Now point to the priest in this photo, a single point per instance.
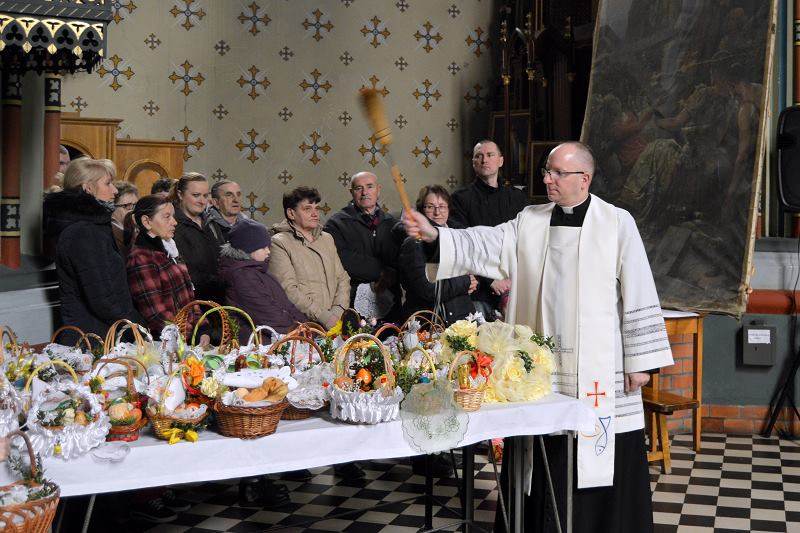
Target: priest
pixel 579 274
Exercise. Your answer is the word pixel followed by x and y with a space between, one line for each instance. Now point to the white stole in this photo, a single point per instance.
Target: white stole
pixel 517 250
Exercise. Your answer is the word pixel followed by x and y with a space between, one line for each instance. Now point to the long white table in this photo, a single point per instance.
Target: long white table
pixel 297 444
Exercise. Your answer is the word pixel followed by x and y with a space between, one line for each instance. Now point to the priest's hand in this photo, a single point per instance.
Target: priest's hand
pixel 418 226
pixel 501 286
pixel 635 381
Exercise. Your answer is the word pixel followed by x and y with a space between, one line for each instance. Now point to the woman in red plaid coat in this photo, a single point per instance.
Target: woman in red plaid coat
pixel 158 279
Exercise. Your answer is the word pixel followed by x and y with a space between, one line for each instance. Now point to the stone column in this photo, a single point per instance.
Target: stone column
pixel 52 127
pixel 11 90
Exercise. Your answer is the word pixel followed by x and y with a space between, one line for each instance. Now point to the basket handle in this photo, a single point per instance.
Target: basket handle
pixel 111 335
pixel 128 362
pixel 387 358
pixel 185 328
pixel 427 356
pixel 470 355
pixel 306 328
pixel 223 315
pixel 387 327
pixel 435 321
pixel 255 336
pixel 62 329
pixel 6 331
pixel 39 368
pixel 299 338
pixel 29 446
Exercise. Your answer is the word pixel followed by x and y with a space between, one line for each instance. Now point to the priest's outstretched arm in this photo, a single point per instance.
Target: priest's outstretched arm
pixel 645 345
pixel 480 250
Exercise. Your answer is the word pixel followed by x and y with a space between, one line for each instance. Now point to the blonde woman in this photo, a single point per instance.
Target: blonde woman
pixel 93 284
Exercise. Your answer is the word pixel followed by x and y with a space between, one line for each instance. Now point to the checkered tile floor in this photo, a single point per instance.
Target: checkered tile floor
pixel 735 484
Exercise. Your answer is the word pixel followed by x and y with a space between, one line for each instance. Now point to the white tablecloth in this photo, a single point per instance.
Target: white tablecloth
pixel 317 441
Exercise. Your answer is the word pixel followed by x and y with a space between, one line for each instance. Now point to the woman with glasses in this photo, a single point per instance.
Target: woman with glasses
pixel 450 298
pixel 124 200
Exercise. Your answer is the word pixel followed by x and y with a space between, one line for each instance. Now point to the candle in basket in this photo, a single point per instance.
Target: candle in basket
pixel 463 376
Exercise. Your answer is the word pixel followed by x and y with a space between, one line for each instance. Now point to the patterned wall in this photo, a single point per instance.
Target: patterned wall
pixel 265 91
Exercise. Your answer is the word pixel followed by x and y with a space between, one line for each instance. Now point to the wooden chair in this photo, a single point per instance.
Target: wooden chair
pixel 657 405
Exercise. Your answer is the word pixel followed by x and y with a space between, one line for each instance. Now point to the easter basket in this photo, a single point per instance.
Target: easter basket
pixel 243 422
pixel 59 432
pixel 467 396
pixel 292 412
pixel 352 404
pixel 35 514
pixel 120 431
pixel 163 421
pixel 183 321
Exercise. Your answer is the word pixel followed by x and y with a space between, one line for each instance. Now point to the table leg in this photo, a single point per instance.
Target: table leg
pixel 570 463
pixel 517 468
pixel 428 493
pixel 550 488
pixel 88 517
pixel 468 473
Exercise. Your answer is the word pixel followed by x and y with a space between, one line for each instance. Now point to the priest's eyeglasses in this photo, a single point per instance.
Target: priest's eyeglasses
pixel 558 174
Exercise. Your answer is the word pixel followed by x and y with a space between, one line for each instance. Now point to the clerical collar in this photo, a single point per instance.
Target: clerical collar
pixel 570 216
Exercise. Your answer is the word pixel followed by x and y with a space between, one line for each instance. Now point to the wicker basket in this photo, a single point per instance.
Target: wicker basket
pixel 248 422
pixel 14 349
pixel 388 327
pixel 162 423
pixel 364 407
pixel 469 399
pixel 34 516
pixel 183 321
pixel 427 319
pixel 292 412
pixel 35 372
pixel 128 433
pixel 114 336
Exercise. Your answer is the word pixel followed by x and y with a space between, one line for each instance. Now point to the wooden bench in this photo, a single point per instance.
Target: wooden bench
pixel 659 404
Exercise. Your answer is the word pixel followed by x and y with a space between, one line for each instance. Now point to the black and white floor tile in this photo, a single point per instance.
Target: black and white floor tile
pixel 735 484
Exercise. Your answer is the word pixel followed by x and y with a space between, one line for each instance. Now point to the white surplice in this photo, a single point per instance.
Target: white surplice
pixel 592 289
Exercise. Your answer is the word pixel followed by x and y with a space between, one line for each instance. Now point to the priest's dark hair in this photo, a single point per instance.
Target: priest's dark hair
pixel 297 195
pixel 484 141
pixel 162 185
pixel 438 190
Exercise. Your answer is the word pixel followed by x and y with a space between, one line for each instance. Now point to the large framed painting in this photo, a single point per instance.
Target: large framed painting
pixel 675 116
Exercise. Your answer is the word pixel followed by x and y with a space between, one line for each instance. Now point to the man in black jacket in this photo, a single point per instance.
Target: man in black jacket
pixel 364 239
pixel 487 202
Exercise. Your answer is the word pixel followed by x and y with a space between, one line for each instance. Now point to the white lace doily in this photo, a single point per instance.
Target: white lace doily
pixel 431 419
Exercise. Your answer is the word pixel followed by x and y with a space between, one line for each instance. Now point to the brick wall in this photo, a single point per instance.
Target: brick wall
pixel 733 419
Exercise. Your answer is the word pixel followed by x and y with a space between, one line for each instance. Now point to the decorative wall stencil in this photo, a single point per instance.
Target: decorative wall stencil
pixel 316 27
pixel 314 84
pixel 190 78
pixel 314 144
pixel 428 36
pixel 252 146
pixel 257 67
pixel 187 15
pixel 254 18
pixel 423 94
pixel 426 151
pixel 476 42
pixel 113 68
pixel 376 32
pixel 119 7
pixel 255 80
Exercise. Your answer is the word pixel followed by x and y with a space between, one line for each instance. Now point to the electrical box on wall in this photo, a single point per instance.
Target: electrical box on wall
pixel 758 344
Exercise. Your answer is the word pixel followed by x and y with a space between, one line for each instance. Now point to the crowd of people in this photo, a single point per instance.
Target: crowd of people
pixel 144 259
pixel 119 255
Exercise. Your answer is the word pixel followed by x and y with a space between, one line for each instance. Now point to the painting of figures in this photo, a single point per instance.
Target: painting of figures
pixel 674 117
